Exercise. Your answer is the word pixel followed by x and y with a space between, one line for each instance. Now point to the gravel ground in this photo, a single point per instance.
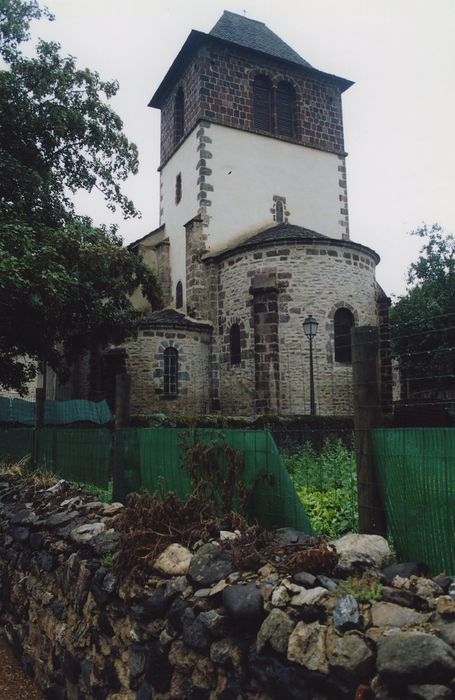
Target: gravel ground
pixel 14 684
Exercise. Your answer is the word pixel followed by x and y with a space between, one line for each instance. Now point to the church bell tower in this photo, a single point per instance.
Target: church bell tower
pixel 251 137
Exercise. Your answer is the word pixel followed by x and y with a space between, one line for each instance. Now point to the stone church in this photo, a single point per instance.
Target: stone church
pixel 253 236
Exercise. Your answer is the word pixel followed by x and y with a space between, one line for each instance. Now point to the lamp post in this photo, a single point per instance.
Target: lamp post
pixel 310 327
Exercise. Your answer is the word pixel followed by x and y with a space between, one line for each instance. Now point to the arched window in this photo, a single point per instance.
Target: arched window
pixel 279 212
pixel 343 322
pixel 179 295
pixel 171 371
pixel 262 103
pixel 234 344
pixel 285 99
pixel 179 115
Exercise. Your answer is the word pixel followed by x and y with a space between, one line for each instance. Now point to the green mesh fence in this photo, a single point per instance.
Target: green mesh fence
pixel 81 455
pixel 55 412
pixel 15 444
pixel 416 471
pixel 153 459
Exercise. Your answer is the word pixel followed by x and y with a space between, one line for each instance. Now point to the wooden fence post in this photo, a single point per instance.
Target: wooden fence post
pixel 122 417
pixel 367 415
pixel 40 397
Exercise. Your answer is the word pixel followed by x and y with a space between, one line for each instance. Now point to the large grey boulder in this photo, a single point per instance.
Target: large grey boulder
pixel 416 657
pixel 361 552
pixel 210 564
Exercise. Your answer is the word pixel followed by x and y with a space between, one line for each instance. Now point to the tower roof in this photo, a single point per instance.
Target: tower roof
pixel 236 30
pixel 255 35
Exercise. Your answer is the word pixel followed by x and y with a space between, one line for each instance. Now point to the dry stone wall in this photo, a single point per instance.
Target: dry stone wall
pixel 201 628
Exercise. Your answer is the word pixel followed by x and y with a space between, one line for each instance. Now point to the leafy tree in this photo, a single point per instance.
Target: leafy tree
pixel 423 320
pixel 64 285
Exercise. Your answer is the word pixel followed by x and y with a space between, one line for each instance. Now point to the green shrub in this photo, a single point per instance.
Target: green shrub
pixel 326 483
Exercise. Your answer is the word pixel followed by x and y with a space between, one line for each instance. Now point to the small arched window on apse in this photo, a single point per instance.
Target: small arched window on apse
pixel 343 322
pixel 262 103
pixel 234 344
pixel 171 371
pixel 279 212
pixel 179 115
pixel 285 107
pixel 179 295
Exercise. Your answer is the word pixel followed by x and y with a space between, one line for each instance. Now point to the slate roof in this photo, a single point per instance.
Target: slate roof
pixel 241 31
pixel 289 233
pixel 172 319
pixel 254 35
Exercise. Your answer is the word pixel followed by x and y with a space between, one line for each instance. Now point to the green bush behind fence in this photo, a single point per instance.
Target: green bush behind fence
pixel 416 471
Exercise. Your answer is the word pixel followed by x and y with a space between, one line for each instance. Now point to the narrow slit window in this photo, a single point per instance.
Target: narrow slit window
pixel 234 343
pixel 178 188
pixel 179 295
pixel 279 212
pixel 343 322
pixel 171 369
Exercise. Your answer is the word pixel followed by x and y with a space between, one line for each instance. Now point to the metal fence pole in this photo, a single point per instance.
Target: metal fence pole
pixel 40 397
pixel 367 415
pixel 122 417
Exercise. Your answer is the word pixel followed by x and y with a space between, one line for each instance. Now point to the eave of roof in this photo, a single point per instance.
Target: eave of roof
pixel 147 235
pixel 197 39
pixel 289 233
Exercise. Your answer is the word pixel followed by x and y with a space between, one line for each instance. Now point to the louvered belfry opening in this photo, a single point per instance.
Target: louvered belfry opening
pixel 179 295
pixel 262 103
pixel 285 100
pixel 179 115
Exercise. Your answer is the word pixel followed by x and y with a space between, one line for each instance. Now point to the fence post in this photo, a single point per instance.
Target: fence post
pixel 40 397
pixel 122 417
pixel 367 415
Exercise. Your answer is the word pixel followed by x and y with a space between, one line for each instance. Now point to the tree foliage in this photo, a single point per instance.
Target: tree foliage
pixel 423 320
pixel 63 283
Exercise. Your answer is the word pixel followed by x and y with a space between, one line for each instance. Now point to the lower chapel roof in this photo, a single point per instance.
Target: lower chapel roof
pixel 170 318
pixel 290 233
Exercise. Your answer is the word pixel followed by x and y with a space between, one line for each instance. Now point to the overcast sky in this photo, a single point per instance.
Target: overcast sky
pixel 399 117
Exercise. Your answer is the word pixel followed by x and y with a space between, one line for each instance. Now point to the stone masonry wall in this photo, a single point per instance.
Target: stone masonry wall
pixel 197 624
pixel 145 365
pixel 311 278
pixel 218 87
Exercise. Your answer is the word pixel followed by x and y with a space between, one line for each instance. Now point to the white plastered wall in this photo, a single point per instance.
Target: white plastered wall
pixel 248 170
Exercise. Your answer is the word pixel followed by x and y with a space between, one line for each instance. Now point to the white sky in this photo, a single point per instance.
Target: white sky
pixel 399 117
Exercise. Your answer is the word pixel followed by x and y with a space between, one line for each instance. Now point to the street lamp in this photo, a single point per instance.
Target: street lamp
pixel 310 328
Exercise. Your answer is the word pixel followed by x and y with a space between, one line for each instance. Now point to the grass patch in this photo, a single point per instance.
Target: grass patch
pixel 326 483
pixel 103 495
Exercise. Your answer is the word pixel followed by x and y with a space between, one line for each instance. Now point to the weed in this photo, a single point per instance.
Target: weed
pixel 363 589
pixel 107 560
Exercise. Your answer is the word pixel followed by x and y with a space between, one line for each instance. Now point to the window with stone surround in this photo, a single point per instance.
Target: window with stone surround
pixel 234 344
pixel 179 295
pixel 262 103
pixel 178 188
pixel 285 106
pixel 343 322
pixel 179 115
pixel 171 371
